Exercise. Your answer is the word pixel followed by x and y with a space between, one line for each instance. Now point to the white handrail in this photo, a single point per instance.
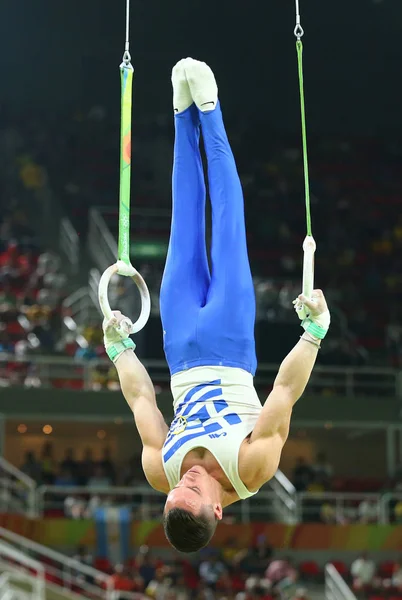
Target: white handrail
pixel 24 481
pixel 285 482
pixel 388 381
pixel 12 470
pixel 38 583
pixel 69 566
pixel 335 586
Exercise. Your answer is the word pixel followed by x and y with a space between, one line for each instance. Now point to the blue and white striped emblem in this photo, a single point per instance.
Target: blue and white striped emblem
pixel 203 412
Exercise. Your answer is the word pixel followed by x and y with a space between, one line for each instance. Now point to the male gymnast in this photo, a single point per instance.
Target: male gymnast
pixel 222 445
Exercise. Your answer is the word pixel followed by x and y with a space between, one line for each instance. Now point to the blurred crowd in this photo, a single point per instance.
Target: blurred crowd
pixel 356 198
pixel 85 470
pixel 232 574
pixel 359 499
pixel 249 574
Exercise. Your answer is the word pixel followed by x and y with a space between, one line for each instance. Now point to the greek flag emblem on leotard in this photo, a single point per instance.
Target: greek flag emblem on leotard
pixel 179 426
pixel 203 412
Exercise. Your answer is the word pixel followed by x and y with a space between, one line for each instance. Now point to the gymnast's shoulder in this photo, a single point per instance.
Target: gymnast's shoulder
pixel 259 460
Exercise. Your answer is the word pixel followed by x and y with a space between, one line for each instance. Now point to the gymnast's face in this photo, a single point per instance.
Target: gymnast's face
pixel 195 490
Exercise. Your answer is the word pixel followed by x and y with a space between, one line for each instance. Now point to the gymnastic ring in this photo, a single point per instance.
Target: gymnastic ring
pixel 121 268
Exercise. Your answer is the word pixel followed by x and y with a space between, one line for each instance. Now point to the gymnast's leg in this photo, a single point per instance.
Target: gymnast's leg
pixel 186 277
pixel 229 316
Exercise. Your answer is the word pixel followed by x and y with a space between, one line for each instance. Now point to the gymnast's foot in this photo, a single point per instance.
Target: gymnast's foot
pixel 202 83
pixel 182 98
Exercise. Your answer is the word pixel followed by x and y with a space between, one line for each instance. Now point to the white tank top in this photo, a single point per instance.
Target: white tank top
pixel 215 408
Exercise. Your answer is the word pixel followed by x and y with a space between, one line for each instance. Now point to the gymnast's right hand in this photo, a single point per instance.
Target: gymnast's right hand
pixel 116 329
pixel 318 316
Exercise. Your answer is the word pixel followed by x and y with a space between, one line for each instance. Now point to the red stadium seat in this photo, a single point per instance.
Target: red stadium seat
pixel 103 564
pixel 340 567
pixel 309 569
pixel 386 568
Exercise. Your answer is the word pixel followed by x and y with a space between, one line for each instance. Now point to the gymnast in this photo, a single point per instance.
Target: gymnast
pixel 222 445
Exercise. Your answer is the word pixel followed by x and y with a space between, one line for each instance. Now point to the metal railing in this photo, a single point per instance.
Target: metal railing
pixel 144 502
pixel 20 570
pixel 268 505
pixel 348 382
pixel 391 507
pixel 70 244
pixel 65 572
pixel 310 503
pixel 278 501
pixel 336 587
pixel 17 490
pixel 285 504
pixel 93 286
pixel 101 243
pixel 81 305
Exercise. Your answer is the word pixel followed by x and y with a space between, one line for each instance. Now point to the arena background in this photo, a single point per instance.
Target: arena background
pixel 65 430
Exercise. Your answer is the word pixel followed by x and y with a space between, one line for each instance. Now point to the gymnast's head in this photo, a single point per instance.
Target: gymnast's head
pixel 192 511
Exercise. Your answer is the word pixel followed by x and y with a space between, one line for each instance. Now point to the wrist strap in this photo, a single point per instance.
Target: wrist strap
pixel 114 351
pixel 314 329
pixel 316 344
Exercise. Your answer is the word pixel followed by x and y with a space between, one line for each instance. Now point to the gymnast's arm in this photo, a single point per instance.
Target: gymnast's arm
pixel 139 393
pixel 272 428
pixel 138 390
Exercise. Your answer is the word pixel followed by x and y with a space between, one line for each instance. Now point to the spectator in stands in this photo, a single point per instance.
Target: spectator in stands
pixel 126 580
pixel 396 578
pixel 328 513
pixel 86 466
pixel 302 474
pixel 255 560
pixel 349 512
pixel 6 346
pixel 368 510
pixel 362 570
pixel 83 556
pixel 158 587
pixel 107 465
pixel 398 512
pixel 86 352
pixel 322 470
pixel 8 301
pixel 69 463
pixel 32 467
pixel 99 479
pixel 133 473
pixel 48 464
pixel 211 570
pixel 145 566
pixel 281 575
pixel 13 265
pixel 75 508
pixel 65 479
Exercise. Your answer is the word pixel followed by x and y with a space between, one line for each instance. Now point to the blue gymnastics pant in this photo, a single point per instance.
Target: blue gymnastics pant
pixel 208 316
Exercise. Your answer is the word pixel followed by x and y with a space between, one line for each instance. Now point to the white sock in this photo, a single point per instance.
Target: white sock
pixel 182 98
pixel 203 87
